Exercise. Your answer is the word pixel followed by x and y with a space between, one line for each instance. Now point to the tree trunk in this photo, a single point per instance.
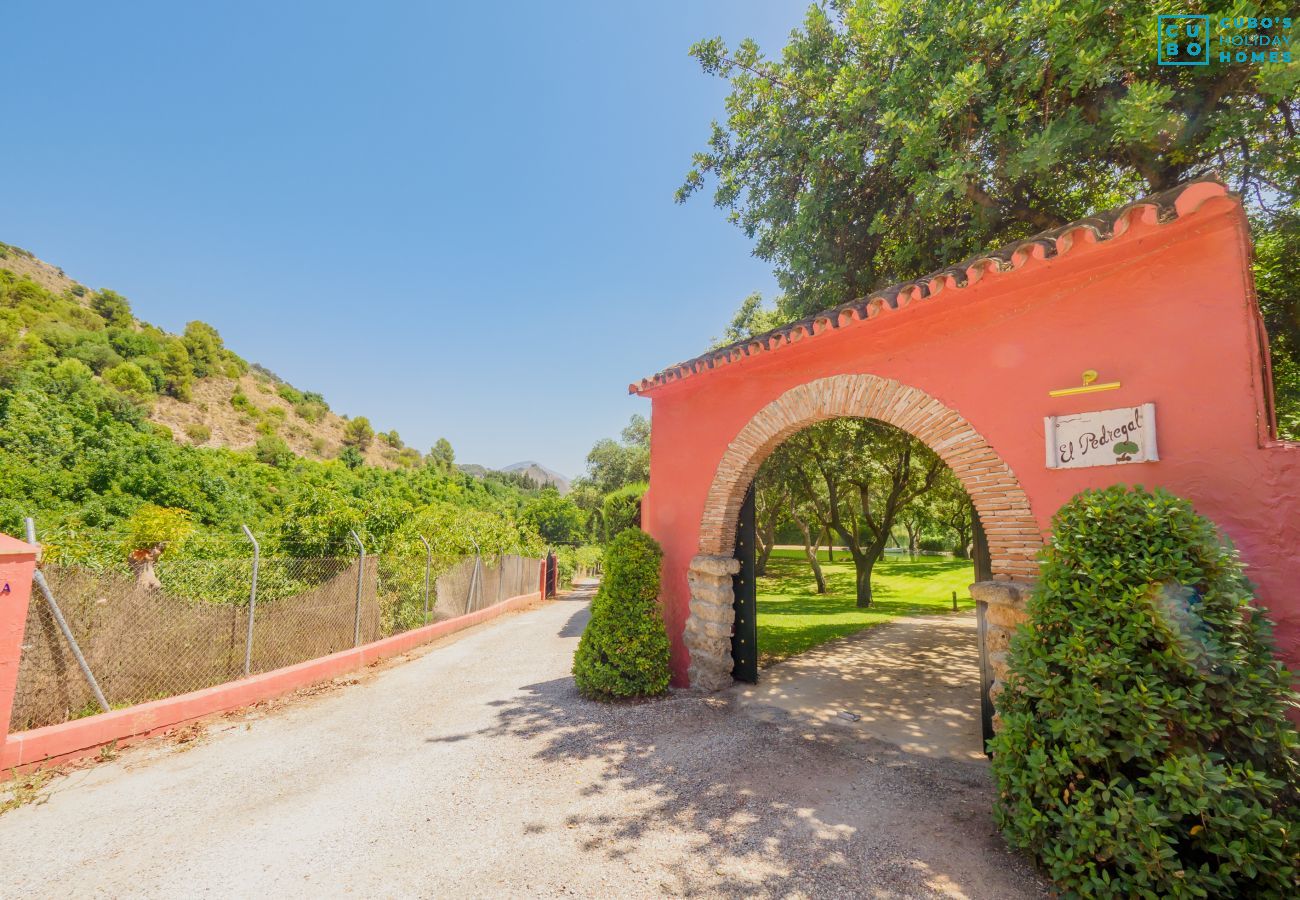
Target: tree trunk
pixel 863 567
pixel 830 545
pixel 810 549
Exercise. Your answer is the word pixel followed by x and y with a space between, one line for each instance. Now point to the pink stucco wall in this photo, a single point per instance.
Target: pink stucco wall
pixel 1167 309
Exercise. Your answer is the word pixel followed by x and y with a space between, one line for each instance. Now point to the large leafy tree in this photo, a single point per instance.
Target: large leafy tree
pixel 855 477
pixel 889 138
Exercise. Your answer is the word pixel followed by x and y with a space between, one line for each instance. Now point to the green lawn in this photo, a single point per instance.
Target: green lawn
pixel 793 618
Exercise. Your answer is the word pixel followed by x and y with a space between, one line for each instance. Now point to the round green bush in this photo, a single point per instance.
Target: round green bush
pixel 624 649
pixel 1144 748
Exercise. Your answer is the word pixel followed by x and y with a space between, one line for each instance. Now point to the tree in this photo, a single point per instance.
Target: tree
pixel 557 519
pixel 889 139
pixel 442 456
pixel 113 307
pixel 1277 280
pixel 949 506
pixel 205 349
pixel 612 464
pixel 178 372
pixel 131 380
pixel 358 433
pixel 150 531
pixel 856 476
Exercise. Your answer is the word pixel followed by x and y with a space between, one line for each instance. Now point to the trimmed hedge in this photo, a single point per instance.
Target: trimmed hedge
pixel 624 649
pixel 1145 749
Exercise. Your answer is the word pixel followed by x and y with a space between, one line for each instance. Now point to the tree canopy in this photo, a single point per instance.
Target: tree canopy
pixel 890 138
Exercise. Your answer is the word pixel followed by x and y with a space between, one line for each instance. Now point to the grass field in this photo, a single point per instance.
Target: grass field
pixel 793 618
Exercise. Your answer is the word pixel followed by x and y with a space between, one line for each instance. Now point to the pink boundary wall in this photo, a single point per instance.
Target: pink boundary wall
pixel 70 740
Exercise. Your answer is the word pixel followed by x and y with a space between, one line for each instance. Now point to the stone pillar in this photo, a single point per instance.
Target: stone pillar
pixel 709 626
pixel 17 563
pixel 1004 614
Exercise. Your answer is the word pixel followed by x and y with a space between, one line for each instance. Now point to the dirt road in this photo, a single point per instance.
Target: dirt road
pixel 476 770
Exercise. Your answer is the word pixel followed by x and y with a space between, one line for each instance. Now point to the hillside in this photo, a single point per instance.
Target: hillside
pixel 117 436
pixel 214 415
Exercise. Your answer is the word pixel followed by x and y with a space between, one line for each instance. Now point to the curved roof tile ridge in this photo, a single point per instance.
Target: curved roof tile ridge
pixel 1181 199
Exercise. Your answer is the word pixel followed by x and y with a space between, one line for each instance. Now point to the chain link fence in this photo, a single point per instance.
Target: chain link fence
pixel 185 625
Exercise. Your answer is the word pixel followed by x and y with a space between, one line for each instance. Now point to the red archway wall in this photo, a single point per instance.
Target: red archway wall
pixel 1158 297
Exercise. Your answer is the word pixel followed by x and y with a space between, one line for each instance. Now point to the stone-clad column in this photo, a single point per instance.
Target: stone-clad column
pixel 1005 613
pixel 708 629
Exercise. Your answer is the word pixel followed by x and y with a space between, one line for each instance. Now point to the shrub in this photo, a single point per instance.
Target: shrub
pixel 310 410
pixel 1144 748
pixel 933 545
pixel 198 433
pixel 624 650
pixel 273 451
pixel 131 380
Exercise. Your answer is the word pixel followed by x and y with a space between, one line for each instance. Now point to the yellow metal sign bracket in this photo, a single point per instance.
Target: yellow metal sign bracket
pixel 1089 386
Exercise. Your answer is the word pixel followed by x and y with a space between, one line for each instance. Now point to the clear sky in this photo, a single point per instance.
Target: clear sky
pixel 456 219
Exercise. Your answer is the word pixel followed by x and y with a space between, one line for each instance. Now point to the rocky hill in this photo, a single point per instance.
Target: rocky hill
pixel 540 475
pixel 237 408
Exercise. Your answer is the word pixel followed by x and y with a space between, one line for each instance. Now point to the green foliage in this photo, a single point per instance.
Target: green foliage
pixel 352 457
pixel 206 351
pixel 620 510
pixel 752 319
pixel 131 380
pixel 153 526
pixel 112 307
pixel 1145 749
pixel 1277 279
pixel 239 400
pixel 442 455
pixel 624 649
pixel 615 464
pixel 556 518
pixel 77 454
pixel 358 433
pixel 273 451
pixel 888 139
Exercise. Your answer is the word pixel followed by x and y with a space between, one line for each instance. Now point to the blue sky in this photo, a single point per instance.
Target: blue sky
pixel 455 219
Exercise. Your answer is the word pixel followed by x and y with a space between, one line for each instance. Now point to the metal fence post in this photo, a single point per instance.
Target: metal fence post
pixel 361 575
pixel 252 601
pixel 39 577
pixel 428 566
pixel 473 578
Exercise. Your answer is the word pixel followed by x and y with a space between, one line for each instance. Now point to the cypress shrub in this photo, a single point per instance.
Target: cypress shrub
pixel 1144 748
pixel 624 649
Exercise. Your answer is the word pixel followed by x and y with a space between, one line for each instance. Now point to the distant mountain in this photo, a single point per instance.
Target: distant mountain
pixel 540 474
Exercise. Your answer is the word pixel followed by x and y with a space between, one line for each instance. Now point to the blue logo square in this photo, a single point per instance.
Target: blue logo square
pixel 1183 40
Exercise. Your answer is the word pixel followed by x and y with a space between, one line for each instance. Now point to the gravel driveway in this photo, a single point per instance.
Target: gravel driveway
pixel 476 770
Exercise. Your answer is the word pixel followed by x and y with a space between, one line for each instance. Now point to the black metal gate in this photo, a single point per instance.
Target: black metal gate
pixel 744 585
pixel 983 572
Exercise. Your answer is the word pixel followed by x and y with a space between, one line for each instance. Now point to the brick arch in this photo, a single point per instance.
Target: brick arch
pixel 1013 535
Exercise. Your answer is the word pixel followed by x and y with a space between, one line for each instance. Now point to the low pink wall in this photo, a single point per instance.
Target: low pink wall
pixel 69 740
